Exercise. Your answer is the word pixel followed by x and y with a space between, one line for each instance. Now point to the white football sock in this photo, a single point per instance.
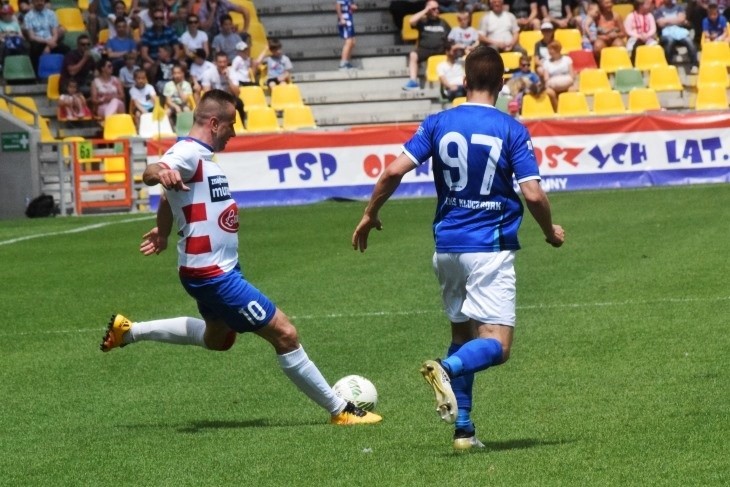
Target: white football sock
pixel 307 377
pixel 182 331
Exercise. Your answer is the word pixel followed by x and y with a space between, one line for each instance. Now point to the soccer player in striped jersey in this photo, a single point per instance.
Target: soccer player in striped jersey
pixel 475 150
pixel 199 201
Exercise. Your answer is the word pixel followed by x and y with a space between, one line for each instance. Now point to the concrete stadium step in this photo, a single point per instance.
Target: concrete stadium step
pixel 328 67
pixel 373 21
pixel 331 47
pixel 344 75
pixel 359 89
pixel 371 113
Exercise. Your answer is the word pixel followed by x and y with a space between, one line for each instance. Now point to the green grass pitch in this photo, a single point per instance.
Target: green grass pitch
pixel 619 370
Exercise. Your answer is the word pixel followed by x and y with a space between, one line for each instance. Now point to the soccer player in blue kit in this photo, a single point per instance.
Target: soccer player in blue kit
pixel 199 201
pixel 475 151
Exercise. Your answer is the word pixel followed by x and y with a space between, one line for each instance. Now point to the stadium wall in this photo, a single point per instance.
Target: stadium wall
pixel 574 154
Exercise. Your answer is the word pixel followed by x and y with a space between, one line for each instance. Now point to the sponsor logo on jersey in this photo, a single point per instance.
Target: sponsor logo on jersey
pixel 219 190
pixel 228 219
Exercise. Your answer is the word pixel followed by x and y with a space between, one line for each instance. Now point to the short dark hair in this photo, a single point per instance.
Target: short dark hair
pixel 226 17
pixel 211 104
pixel 274 43
pixel 484 69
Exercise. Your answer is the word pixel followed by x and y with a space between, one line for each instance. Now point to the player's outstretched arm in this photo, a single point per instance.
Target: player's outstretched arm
pixel 155 241
pixel 539 205
pixel 384 188
pixel 169 178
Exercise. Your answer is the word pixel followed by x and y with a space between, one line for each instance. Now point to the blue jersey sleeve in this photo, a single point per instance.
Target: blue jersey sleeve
pixel 522 155
pixel 421 145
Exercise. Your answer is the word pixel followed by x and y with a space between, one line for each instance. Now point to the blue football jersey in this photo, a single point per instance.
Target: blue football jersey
pixel 475 150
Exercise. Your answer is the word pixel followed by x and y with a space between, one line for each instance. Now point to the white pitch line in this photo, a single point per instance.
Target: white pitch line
pixel 422 312
pixel 74 230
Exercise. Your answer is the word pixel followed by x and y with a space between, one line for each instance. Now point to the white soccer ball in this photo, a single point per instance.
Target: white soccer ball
pixel 358 390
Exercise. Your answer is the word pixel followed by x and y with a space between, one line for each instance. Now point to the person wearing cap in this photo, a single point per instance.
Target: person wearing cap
pixel 242 66
pixel 11 39
pixel 227 39
pixel 540 51
pixel 194 38
pixel 714 26
pixel 499 29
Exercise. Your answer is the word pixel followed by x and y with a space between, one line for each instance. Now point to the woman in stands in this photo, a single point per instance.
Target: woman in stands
pixel 557 73
pixel 107 93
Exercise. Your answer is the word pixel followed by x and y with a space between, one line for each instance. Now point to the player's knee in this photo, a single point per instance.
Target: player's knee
pixel 221 343
pixel 286 340
pixel 505 353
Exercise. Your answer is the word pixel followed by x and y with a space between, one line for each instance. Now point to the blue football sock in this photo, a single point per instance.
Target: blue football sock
pixel 473 356
pixel 462 387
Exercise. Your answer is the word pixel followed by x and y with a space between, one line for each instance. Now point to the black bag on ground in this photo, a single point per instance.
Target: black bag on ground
pixel 41 206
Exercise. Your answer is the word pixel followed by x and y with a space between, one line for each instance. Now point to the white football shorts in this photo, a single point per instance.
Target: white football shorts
pixel 479 285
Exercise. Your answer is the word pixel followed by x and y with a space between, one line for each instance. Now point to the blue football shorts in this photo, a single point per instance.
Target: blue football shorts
pixel 233 299
pixel 347 31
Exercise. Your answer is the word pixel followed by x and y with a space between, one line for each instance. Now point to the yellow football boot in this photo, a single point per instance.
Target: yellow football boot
pixel 118 326
pixel 354 415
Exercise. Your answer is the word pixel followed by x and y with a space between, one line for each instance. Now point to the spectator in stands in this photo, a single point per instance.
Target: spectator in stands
pixel 165 63
pixel 473 6
pixel 72 103
pixel 43 32
pixel 400 8
pixel 499 29
pixel 523 81
pixel 278 65
pixel 180 22
pixel 464 35
pixel 79 65
pixel 526 12
pixel 557 73
pixel 178 94
pixel 11 37
pixel 346 29
pixel 120 45
pixel 211 15
pixel 243 66
pixel 142 96
pixel 609 28
pixel 557 12
pixel 714 26
pixel 221 78
pixel 120 11
pixel 698 10
pixel 432 34
pixel 145 17
pixel 540 51
pixel 451 72
pixel 588 27
pixel 200 65
pixel 672 20
pixel 152 39
pixel 99 11
pixel 107 93
pixel 194 38
pixel 23 8
pixel 227 40
pixel 126 74
pixel 640 27
pixel 448 5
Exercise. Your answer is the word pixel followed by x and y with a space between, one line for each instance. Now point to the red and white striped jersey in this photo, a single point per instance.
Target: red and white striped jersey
pixel 206 216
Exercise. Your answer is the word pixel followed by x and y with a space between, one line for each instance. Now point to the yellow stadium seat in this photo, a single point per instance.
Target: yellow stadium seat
pixel 238 127
pixel 285 95
pixel 608 103
pixel 569 39
pixel 537 107
pixel 511 60
pixel 642 100
pixel 252 97
pixel 715 52
pixel 84 5
pixel 262 120
pixel 623 9
pixel 451 18
pixel 4 106
pixel 45 126
pixel 296 118
pixel 458 101
pixel 712 74
pixel 431 65
pixel 573 104
pixel 614 58
pixel 591 81
pixel 103 36
pixel 71 19
pixel 407 32
pixel 118 126
pixel 253 15
pixel 713 97
pixel 476 18
pixel 53 87
pixel 259 39
pixel 24 115
pixel 648 57
pixel 528 38
pixel 665 78
pixel 116 163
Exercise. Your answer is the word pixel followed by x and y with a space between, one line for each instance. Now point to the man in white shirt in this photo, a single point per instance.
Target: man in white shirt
pixel 499 28
pixel 194 39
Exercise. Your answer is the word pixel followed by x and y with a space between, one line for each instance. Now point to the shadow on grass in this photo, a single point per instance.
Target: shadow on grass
pixel 519 444
pixel 206 425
